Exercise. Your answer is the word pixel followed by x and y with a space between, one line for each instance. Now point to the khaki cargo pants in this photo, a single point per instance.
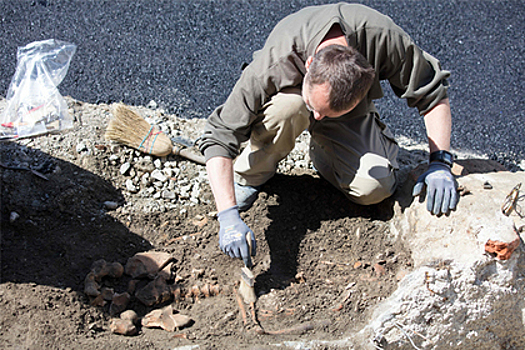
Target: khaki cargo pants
pixel 355 152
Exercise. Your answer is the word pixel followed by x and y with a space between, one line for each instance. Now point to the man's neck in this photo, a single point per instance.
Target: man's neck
pixel 334 36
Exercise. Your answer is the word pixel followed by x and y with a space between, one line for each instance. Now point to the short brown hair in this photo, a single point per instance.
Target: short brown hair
pixel 348 73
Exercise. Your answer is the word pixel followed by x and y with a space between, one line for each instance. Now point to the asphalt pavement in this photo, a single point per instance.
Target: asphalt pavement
pixel 187 54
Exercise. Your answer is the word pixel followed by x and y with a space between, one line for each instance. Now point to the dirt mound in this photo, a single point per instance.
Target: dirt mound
pixel 322 262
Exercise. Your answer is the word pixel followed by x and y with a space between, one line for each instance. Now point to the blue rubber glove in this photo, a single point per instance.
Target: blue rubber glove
pixel 442 194
pixel 232 235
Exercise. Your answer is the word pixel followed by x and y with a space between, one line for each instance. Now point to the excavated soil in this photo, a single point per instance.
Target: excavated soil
pixel 322 262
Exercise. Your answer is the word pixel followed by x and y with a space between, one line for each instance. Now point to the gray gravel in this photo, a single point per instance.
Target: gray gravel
pixel 186 56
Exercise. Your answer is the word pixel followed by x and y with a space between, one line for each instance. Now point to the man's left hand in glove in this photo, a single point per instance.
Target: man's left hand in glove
pixel 441 188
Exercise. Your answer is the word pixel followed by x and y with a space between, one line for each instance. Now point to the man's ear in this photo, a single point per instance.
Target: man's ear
pixel 308 62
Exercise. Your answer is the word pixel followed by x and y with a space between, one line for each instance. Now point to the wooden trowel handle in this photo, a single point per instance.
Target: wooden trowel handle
pixel 249 241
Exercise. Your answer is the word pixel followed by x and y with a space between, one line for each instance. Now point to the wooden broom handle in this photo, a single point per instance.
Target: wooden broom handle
pixel 186 153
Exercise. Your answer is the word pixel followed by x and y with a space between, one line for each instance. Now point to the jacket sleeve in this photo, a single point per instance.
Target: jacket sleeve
pixel 412 73
pixel 230 124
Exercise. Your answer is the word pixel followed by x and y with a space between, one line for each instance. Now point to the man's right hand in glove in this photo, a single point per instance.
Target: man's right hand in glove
pixel 232 235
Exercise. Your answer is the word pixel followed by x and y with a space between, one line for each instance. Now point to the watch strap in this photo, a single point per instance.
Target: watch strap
pixel 443 157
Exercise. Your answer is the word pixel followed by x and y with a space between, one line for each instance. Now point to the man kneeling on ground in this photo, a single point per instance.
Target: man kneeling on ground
pixel 320 69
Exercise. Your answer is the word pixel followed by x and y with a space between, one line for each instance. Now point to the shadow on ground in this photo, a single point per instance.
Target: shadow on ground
pixel 53 230
pixel 298 206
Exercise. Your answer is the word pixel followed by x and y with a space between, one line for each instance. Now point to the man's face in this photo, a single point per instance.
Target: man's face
pixel 316 98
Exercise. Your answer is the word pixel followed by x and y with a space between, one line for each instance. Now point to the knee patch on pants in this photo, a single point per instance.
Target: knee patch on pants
pixel 372 182
pixel 368 191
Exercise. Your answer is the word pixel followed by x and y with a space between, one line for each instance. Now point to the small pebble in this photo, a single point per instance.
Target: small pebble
pixel 110 205
pixel 158 175
pixel 13 217
pixel 81 147
pixel 124 168
pixel 130 186
pixel 168 195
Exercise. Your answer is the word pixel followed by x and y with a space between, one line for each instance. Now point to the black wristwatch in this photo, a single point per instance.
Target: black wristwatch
pixel 443 157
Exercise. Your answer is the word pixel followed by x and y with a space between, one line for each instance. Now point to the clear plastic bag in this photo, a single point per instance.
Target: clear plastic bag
pixel 34 104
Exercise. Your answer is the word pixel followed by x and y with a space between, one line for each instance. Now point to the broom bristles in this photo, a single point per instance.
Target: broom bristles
pixel 131 129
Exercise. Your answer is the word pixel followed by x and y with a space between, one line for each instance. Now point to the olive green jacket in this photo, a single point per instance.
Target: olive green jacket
pixel 412 73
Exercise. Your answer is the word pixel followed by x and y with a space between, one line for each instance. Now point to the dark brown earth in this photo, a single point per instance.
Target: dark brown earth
pixel 322 262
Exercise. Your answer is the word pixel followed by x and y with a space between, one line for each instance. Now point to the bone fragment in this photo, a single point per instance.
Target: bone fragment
pixel 130 315
pixel 155 292
pixel 166 319
pixel 123 327
pixel 91 287
pixel 148 264
pixel 119 303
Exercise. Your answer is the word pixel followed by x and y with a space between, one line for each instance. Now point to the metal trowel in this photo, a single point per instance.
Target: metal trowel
pixel 246 289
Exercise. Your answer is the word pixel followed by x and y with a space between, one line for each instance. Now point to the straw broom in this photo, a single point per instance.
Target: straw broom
pixel 130 129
